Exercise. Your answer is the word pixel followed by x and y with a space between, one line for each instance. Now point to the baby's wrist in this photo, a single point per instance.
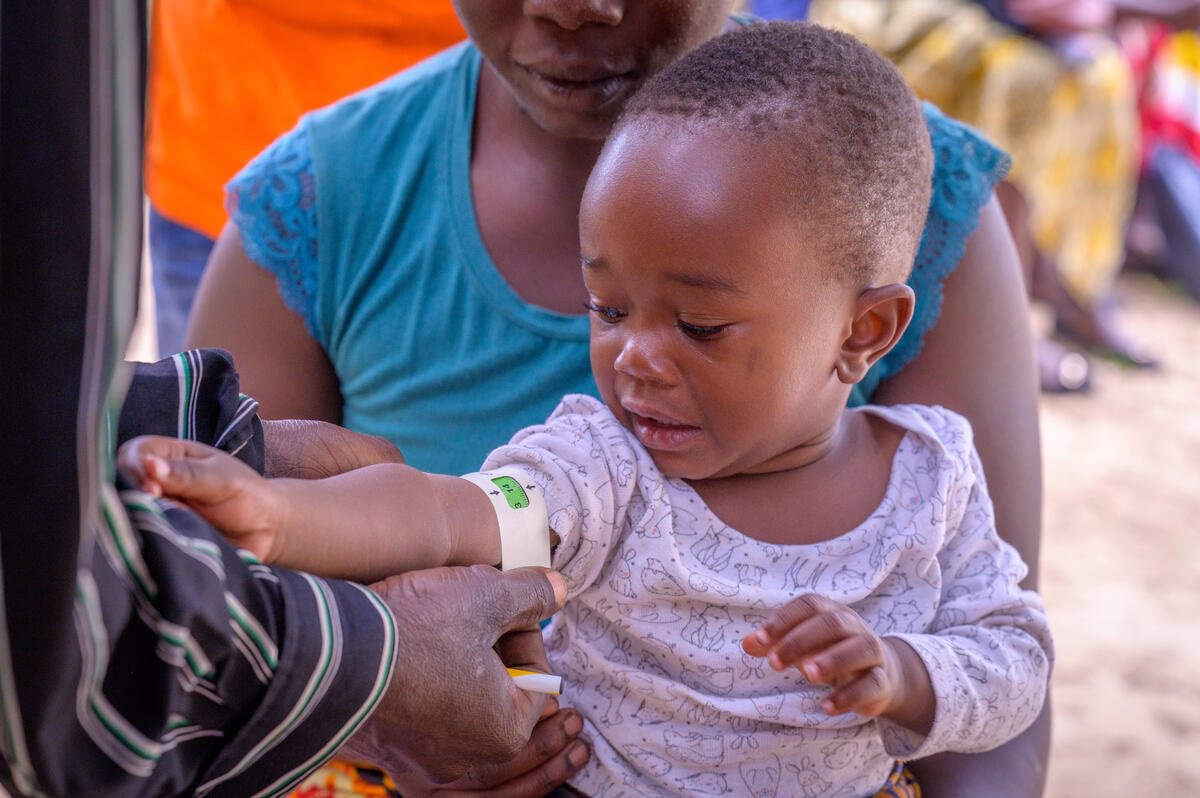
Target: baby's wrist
pixel 471 529
pixel 913 700
pixel 518 512
pixel 270 537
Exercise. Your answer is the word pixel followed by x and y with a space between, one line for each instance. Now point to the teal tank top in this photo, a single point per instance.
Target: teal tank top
pixel 364 214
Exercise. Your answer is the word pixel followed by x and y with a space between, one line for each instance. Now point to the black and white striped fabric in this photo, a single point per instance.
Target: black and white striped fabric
pixel 140 654
pixel 193 395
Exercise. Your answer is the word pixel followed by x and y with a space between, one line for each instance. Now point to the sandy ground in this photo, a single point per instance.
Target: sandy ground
pixel 1121 562
pixel 1121 565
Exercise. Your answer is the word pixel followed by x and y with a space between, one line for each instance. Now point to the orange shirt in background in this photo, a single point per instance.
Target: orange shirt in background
pixel 227 77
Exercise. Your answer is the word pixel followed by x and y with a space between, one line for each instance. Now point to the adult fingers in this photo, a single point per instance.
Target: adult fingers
pixel 452 707
pixel 307 449
pixel 550 774
pixel 503 603
pixel 506 607
pixel 521 598
pixel 524 648
pixel 550 737
pixel 552 755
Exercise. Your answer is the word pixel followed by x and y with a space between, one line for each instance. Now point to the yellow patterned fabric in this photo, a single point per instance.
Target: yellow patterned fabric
pixel 1071 127
pixel 345 780
pixel 900 784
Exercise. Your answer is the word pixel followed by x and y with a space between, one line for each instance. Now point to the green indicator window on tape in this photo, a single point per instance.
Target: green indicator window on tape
pixel 514 494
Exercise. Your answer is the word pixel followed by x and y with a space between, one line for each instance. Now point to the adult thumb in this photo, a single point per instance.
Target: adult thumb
pixel 522 597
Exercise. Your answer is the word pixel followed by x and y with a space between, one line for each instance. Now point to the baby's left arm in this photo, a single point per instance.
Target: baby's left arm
pixel 988 650
pixel 978 675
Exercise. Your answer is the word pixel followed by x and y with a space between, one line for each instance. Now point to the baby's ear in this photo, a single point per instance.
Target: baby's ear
pixel 880 317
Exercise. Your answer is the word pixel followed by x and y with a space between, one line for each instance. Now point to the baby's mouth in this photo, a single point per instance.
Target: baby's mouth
pixel 659 433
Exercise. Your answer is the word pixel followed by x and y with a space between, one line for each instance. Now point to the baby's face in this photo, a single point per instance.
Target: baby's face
pixel 714 332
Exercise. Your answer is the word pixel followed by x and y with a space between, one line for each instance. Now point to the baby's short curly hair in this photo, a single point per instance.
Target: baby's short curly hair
pixel 858 161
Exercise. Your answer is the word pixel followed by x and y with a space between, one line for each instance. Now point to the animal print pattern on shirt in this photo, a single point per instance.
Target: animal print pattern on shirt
pixel 662 592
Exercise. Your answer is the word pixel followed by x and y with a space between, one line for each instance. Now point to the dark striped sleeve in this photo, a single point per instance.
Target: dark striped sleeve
pixel 139 653
pixel 192 668
pixel 193 395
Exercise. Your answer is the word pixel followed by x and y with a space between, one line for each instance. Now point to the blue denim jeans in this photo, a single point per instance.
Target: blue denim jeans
pixel 1174 180
pixel 177 258
pixel 779 9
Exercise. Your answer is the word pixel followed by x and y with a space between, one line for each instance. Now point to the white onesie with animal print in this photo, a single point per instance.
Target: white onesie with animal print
pixel 662 593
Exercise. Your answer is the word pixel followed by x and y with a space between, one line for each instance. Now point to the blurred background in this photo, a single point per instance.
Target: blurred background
pixel 1121 567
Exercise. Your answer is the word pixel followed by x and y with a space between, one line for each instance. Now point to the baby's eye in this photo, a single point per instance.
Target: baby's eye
pixel 700 332
pixel 606 314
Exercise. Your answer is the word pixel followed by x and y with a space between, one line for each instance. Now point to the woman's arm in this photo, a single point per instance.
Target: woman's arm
pixel 239 308
pixel 1016 769
pixel 978 360
pixel 307 449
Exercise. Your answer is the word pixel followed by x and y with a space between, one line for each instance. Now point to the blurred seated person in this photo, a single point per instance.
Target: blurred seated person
pixel 1044 80
pixel 1164 234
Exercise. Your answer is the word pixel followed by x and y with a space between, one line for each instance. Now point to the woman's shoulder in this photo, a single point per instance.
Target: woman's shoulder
pixel 313 195
pixel 435 80
pixel 966 168
pixel 355 124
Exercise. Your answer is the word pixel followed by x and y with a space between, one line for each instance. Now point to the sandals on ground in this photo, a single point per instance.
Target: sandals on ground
pixel 1062 370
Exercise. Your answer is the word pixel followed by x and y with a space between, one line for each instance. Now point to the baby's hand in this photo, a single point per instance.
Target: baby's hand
pixel 832 645
pixel 217 486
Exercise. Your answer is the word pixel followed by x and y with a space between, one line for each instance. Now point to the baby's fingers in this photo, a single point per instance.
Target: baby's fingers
pixel 816 634
pixel 869 695
pixel 760 642
pixel 210 478
pixel 842 661
pixel 144 458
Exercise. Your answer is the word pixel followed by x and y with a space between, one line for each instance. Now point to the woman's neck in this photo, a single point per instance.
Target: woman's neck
pixel 527 185
pixel 500 123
